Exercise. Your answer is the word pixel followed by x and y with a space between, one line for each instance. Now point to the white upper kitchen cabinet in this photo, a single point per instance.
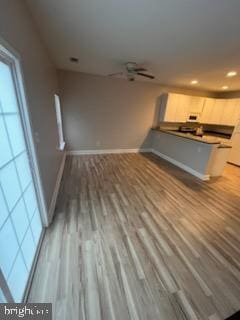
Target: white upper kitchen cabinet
pixel 195 104
pixel 177 107
pixel 221 111
pixel 230 112
pixel 236 113
pixel 217 111
pixel 183 108
pixel 169 107
pixel 206 115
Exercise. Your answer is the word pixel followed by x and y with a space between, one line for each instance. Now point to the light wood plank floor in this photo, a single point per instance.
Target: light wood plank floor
pixel 136 238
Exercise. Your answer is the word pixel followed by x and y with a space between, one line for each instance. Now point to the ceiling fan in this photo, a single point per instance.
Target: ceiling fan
pixel 132 70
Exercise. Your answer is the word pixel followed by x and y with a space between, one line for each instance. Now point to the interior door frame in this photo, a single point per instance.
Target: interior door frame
pixel 12 58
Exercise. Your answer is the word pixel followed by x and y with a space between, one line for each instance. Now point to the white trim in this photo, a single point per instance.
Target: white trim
pixel 56 189
pixel 59 122
pixel 13 59
pixel 105 151
pixel 195 173
pixel 62 146
pixel 5 289
pixel 33 267
pixel 11 55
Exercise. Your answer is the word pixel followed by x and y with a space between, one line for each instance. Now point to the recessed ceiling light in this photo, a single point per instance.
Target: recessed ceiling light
pixel 73 59
pixel 231 73
pixel 224 87
pixel 194 82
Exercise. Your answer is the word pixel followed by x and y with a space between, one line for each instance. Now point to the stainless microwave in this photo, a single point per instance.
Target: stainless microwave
pixel 193 117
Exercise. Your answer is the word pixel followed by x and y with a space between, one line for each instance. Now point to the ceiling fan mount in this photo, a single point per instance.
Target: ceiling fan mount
pixel 132 69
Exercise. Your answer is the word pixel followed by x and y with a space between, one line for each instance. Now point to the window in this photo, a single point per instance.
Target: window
pixel 59 122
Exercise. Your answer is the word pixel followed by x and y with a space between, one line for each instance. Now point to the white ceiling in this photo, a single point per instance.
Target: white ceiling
pixel 178 40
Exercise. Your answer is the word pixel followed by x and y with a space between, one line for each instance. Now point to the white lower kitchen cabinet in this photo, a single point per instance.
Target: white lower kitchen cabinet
pixel 234 156
pixel 219 160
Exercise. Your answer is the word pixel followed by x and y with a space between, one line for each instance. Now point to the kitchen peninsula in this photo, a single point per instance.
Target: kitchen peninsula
pixel 203 157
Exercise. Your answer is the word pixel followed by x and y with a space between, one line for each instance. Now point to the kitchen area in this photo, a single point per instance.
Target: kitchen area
pixel 198 134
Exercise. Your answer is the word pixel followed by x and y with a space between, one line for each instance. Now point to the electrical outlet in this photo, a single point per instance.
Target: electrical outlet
pixel 37 138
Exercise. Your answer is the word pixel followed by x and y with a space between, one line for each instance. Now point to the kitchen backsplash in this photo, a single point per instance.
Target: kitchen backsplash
pixel 228 130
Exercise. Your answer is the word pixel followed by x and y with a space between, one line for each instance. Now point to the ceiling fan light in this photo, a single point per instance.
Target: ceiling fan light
pixel 195 81
pixel 225 87
pixel 231 73
pixel 131 77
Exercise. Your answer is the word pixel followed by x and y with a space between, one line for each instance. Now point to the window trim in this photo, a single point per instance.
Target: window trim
pixel 12 57
pixel 58 111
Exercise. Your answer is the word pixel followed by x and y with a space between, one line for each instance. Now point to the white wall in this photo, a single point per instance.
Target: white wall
pixel 107 113
pixel 18 30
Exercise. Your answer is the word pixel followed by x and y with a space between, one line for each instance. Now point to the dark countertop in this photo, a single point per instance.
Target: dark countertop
pixel 209 140
pixel 196 124
pixel 224 146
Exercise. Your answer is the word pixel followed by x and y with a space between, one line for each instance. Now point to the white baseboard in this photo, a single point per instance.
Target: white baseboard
pixel 105 151
pixel 56 189
pixel 108 151
pixel 173 161
pixel 195 173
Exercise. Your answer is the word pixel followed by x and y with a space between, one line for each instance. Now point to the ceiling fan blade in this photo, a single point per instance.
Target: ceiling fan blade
pixel 140 69
pixel 115 74
pixel 145 75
